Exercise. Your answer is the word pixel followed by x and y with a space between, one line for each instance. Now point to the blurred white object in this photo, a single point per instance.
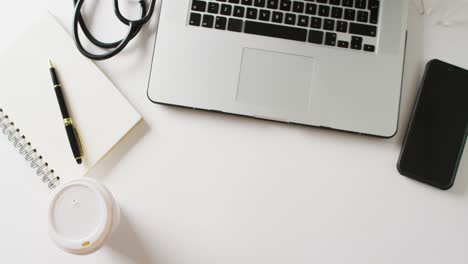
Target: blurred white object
pixel 455 13
pixel 420 5
pixel 448 13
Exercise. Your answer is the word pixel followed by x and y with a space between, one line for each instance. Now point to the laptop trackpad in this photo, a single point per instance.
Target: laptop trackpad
pixel 275 80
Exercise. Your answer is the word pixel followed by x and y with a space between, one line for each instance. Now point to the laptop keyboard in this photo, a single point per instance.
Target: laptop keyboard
pixel 347 24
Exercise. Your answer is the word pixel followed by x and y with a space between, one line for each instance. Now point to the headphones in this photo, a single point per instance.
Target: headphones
pixel 134 27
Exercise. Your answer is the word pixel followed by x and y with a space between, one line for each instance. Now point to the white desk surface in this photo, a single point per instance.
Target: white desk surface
pixel 206 188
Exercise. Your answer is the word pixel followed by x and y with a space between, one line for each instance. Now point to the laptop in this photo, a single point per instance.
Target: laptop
pixel 335 64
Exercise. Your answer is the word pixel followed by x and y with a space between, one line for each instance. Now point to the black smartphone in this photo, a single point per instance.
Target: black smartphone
pixel 438 128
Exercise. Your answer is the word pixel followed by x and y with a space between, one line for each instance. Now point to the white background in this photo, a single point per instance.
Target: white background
pixel 199 187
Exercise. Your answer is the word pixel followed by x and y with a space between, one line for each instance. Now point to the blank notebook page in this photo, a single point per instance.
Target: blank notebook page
pixel 99 111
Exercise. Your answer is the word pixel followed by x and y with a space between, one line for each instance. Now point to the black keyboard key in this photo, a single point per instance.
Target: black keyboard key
pixel 311 9
pixel 235 25
pixel 277 31
pixel 272 4
pixel 259 3
pixel 350 14
pixel 362 16
pixel 226 10
pixel 285 5
pixel 337 12
pixel 356 43
pixel 247 2
pixel 277 17
pixel 298 7
pixel 303 21
pixel 252 13
pixel 329 24
pixel 208 21
pixel 330 39
pixel 370 48
pixel 213 8
pixel 221 23
pixel 265 15
pixel 348 3
pixel 342 26
pixel 239 11
pixel 335 2
pixel 373 6
pixel 343 44
pixel 322 1
pixel 324 11
pixel 222 1
pixel 316 36
pixel 290 19
pixel 199 6
pixel 363 30
pixel 195 19
pixel 361 4
pixel 316 22
pixel 234 1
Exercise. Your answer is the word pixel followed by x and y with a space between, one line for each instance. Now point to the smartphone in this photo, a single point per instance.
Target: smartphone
pixel 438 128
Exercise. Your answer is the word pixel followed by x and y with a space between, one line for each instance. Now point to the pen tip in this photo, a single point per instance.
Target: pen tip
pixel 50 64
pixel 79 161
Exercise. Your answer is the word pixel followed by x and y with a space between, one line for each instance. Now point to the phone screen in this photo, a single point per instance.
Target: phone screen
pixel 438 130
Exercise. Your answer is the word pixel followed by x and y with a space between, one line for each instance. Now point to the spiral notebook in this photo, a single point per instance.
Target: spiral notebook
pixel 31 118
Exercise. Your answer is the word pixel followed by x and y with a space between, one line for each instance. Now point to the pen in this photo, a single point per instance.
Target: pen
pixel 72 133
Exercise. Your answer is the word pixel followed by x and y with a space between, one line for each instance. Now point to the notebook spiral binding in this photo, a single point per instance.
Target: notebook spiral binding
pixel 30 154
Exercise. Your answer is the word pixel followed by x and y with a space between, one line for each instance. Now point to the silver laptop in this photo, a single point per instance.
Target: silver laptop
pixel 326 63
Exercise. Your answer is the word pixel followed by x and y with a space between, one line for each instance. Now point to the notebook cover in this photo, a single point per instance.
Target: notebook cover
pixel 99 111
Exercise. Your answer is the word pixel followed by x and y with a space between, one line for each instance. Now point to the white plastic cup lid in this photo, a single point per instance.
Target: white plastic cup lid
pixel 82 215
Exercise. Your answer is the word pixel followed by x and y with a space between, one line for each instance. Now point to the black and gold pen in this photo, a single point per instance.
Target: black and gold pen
pixel 73 136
